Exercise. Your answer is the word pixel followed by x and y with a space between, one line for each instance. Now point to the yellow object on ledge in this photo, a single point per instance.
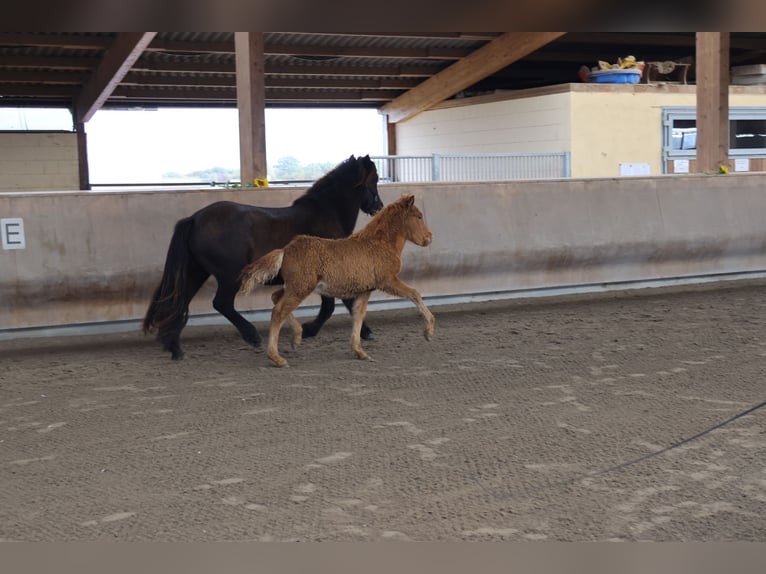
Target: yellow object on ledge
pixel 261 182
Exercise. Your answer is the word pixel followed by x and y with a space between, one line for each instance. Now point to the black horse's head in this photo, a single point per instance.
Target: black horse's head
pixel 368 174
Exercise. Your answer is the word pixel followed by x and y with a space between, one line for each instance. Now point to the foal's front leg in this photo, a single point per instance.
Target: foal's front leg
pixel 358 311
pixel 399 288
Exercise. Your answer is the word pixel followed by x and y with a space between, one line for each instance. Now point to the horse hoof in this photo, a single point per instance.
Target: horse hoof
pixel 177 355
pixel 367 335
pixel 309 330
pixel 279 362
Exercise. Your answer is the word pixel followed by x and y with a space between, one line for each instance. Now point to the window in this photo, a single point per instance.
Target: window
pixel 747 133
pixel 684 134
pixel 36 120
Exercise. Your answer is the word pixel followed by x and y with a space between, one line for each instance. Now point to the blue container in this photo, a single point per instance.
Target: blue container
pixel 626 76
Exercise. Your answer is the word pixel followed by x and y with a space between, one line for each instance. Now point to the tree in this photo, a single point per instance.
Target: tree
pixel 288 167
pixel 317 170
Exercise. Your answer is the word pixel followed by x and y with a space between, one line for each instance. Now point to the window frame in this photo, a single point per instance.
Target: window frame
pixel 671 113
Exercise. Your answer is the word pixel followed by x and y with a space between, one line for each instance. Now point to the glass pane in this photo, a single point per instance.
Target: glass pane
pixel 747 134
pixel 36 119
pixel 684 134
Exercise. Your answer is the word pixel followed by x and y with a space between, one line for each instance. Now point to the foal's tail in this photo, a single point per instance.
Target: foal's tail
pixel 262 270
pixel 169 300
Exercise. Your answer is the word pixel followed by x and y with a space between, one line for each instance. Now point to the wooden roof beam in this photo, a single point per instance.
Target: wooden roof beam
pixel 117 61
pixel 320 69
pixel 432 35
pixel 224 93
pixel 487 60
pixel 270 48
pixel 50 77
pixel 68 41
pixel 230 80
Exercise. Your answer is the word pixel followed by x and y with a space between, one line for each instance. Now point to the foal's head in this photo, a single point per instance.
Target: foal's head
pixel 415 227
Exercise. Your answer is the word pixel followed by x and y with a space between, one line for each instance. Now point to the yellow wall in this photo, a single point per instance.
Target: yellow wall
pixel 615 124
pixel 620 125
pixel 38 161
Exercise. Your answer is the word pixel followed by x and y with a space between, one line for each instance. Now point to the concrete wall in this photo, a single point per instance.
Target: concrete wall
pixel 94 257
pixel 32 161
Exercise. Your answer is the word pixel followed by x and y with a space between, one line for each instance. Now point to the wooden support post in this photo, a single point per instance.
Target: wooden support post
pixel 712 65
pixel 391 141
pixel 391 133
pixel 251 102
pixel 82 156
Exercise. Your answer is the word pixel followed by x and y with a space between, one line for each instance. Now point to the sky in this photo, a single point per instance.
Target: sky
pixel 138 146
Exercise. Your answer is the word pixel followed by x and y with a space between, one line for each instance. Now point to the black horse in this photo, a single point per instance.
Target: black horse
pixel 223 237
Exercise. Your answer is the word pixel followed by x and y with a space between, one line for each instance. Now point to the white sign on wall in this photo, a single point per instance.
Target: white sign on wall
pixel 634 169
pixel 681 166
pixel 12 231
pixel 742 164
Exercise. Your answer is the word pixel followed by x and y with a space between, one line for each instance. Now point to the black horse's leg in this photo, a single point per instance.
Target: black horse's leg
pixel 325 312
pixel 366 332
pixel 223 302
pixel 169 335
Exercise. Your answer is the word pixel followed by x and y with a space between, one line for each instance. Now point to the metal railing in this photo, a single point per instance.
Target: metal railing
pixel 472 167
pixel 419 169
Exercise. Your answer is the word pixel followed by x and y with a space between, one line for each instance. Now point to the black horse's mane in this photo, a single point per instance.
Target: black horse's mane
pixel 326 184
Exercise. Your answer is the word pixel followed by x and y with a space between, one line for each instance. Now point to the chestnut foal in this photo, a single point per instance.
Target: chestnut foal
pixel 352 267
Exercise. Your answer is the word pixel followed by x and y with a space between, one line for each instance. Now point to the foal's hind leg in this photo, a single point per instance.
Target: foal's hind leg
pixel 284 307
pixel 399 288
pixel 358 311
pixel 295 326
pixel 223 302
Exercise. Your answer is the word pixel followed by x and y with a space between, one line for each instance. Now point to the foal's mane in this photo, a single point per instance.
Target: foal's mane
pixel 388 220
pixel 342 175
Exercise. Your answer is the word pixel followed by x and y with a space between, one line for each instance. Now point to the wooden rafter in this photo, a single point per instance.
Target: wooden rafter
pixel 487 60
pixel 184 47
pixel 68 41
pixel 46 77
pixel 274 81
pixel 430 35
pixel 274 94
pixel 117 61
pixel 315 69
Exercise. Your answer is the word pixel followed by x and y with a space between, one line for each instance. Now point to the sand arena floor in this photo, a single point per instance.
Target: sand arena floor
pixel 507 426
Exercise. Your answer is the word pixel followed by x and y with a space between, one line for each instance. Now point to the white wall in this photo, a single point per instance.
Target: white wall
pixel 533 124
pixel 35 161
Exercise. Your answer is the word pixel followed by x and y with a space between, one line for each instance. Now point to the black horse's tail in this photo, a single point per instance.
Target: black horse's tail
pixel 168 303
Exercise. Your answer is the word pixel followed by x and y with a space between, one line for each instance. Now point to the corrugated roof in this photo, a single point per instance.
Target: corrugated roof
pixel 312 69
